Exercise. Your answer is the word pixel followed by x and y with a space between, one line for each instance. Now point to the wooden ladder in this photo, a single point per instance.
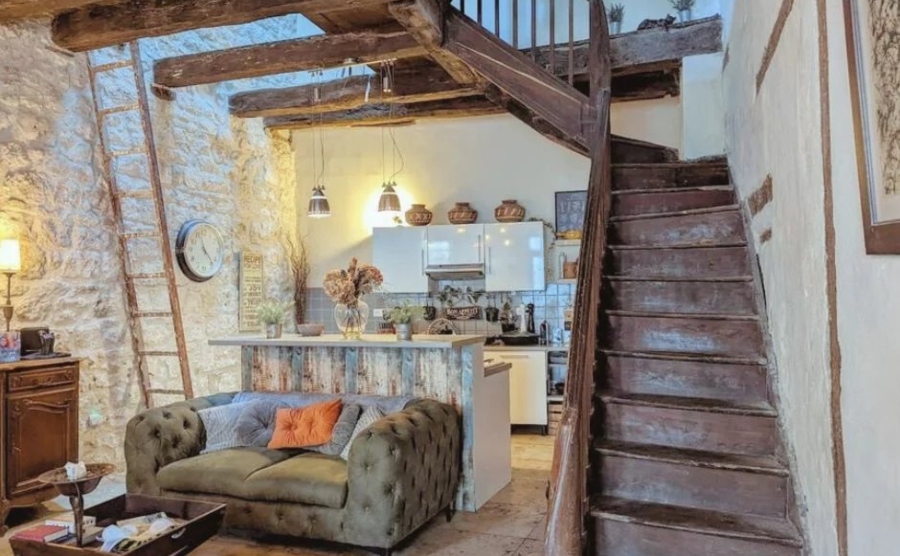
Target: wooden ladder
pixel 131 171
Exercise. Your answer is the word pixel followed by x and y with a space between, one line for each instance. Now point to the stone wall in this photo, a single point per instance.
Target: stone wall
pixel 230 172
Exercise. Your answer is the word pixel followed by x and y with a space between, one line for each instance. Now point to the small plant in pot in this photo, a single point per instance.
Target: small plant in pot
pixel 403 316
pixel 684 9
pixel 616 16
pixel 271 314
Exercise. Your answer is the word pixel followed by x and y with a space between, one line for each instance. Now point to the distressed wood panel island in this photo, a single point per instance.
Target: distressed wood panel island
pixel 451 369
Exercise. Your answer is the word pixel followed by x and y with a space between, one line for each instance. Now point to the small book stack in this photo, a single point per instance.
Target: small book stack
pixel 68 520
pixel 43 533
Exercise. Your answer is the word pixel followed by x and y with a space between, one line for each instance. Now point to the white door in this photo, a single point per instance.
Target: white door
pixel 514 257
pixel 527 386
pixel 400 255
pixel 455 245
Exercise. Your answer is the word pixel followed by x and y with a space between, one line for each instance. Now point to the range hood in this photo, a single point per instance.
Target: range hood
pixel 455 272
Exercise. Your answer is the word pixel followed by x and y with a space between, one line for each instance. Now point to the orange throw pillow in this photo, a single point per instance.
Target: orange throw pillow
pixel 301 427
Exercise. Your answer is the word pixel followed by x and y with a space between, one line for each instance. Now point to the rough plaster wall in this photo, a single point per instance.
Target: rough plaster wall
pixel 227 171
pixel 777 132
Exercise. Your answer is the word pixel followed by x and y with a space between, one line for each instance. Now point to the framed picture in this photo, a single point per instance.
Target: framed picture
pixel 874 81
pixel 570 208
pixel 250 292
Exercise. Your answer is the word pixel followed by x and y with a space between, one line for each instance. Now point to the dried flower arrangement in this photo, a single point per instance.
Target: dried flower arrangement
pixel 298 258
pixel 617 13
pixel 347 286
pixel 682 5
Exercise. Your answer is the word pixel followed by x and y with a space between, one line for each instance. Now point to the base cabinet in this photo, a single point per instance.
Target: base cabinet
pixel 527 386
pixel 38 428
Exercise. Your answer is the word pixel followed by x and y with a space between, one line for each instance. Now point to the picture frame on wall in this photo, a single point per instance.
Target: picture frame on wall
pixel 570 210
pixel 874 81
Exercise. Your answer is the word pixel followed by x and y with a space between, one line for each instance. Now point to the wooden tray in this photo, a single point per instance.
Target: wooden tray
pixel 202 522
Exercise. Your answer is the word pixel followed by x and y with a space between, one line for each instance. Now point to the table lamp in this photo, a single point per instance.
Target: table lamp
pixel 10 263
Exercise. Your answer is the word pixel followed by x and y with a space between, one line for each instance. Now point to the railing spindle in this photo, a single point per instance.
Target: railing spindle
pixel 515 23
pixel 497 17
pixel 534 29
pixel 571 42
pixel 462 6
pixel 553 37
pixel 480 12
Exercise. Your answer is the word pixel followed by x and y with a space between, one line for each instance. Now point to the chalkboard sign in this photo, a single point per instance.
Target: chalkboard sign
pixel 252 282
pixel 570 208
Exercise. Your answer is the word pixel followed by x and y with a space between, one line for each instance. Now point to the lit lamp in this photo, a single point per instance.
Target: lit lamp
pixel 318 204
pixel 10 263
pixel 389 200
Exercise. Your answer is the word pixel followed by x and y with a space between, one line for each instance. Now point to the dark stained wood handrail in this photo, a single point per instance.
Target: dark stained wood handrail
pixel 569 503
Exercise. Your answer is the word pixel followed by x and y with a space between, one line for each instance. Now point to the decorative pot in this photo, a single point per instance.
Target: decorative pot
pixel 273 331
pixel 404 332
pixel 615 27
pixel 310 330
pixel 418 215
pixel 684 16
pixel 351 320
pixel 462 213
pixel 509 211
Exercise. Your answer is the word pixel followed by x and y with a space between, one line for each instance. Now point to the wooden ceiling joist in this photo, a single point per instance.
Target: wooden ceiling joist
pixel 318 52
pixel 386 114
pixel 11 10
pixel 101 25
pixel 429 83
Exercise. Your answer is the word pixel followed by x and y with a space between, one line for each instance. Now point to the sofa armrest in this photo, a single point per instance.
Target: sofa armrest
pixel 403 470
pixel 157 437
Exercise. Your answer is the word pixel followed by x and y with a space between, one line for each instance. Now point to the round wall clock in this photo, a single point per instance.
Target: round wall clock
pixel 200 250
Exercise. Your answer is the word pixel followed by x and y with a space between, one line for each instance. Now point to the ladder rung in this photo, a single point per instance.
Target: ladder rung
pixel 151 314
pixel 115 110
pixel 111 66
pixel 136 194
pixel 166 392
pixel 135 235
pixel 128 152
pixel 158 354
pixel 147 276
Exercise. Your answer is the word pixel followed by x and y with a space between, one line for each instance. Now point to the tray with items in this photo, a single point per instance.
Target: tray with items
pixel 135 525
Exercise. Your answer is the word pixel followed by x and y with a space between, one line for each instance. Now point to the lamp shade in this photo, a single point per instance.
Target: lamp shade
pixel 318 204
pixel 389 200
pixel 10 257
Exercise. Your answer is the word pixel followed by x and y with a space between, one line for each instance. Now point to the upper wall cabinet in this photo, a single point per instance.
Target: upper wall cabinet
pixel 515 257
pixel 455 246
pixel 400 255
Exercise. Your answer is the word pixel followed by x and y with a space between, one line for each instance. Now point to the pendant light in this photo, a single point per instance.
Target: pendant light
pixel 389 202
pixel 318 203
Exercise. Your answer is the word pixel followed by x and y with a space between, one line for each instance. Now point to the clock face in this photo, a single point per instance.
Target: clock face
pixel 200 250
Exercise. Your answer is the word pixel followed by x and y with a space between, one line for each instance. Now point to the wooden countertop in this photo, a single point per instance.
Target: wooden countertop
pixel 26 364
pixel 381 341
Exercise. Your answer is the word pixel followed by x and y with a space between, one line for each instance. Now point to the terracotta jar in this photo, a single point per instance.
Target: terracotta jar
pixel 462 213
pixel 418 215
pixel 509 211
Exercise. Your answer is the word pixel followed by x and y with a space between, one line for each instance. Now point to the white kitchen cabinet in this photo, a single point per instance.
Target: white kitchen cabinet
pixel 515 257
pixel 400 255
pixel 527 386
pixel 455 246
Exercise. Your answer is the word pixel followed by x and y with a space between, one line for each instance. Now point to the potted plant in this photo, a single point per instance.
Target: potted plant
pixel 616 16
pixel 683 7
pixel 271 314
pixel 403 316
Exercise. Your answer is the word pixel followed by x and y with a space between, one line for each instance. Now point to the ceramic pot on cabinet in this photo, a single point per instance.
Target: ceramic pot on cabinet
pixel 418 215
pixel 509 211
pixel 462 213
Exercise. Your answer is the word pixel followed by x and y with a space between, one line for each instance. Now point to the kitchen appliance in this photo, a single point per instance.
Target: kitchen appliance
pixel 31 339
pixel 519 339
pixel 529 315
pixel 430 310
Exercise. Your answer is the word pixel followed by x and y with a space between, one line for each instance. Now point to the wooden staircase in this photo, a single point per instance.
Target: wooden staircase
pixel 686 455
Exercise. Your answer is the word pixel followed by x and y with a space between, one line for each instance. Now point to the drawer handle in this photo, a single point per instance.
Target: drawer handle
pixel 514 357
pixel 178 535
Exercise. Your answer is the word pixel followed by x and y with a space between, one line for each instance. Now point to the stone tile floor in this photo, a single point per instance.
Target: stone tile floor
pixel 511 524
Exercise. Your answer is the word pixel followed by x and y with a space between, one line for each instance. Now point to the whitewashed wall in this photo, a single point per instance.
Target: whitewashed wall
pixel 52 196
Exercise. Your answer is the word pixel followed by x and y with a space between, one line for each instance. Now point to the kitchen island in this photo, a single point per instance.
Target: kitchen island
pixel 446 368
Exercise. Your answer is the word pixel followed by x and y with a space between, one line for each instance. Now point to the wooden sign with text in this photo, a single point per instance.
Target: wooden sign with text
pixel 252 287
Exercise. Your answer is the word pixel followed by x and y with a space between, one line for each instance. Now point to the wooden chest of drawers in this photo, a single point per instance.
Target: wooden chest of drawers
pixel 38 428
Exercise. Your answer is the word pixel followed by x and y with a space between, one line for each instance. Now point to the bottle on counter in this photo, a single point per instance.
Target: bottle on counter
pixel 545 334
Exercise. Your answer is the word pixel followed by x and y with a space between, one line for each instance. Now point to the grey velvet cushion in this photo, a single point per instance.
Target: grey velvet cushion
pixel 368 417
pixel 343 431
pixel 387 404
pixel 219 423
pixel 256 424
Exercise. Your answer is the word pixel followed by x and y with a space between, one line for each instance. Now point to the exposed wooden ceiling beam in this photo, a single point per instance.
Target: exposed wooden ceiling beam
pixel 424 19
pixel 322 51
pixel 428 83
pixel 100 25
pixel 20 9
pixel 384 114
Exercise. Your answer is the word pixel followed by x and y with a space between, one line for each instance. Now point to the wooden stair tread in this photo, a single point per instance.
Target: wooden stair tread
pixel 679 164
pixel 676 214
pixel 695 316
pixel 695 458
pixel 761 409
pixel 686 357
pixel 670 191
pixel 700 279
pixel 699 245
pixel 705 522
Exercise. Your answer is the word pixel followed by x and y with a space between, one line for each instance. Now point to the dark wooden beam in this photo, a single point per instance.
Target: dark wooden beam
pixel 100 25
pixel 425 20
pixel 322 51
pixel 429 83
pixel 637 51
pixel 551 99
pixel 11 10
pixel 386 114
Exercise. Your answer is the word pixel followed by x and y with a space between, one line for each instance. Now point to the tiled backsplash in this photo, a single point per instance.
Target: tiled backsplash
pixel 549 305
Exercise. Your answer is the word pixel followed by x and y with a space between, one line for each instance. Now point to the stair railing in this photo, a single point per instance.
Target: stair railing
pixel 536 25
pixel 569 492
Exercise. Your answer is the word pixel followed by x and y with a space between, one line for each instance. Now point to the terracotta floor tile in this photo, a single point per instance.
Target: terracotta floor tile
pixel 540 530
pixel 447 541
pixel 499 519
pixel 531 548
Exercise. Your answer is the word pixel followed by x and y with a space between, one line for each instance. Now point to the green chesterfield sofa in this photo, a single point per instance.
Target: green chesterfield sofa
pixel 401 472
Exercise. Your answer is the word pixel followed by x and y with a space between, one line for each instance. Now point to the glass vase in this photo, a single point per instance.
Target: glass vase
pixel 351 320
